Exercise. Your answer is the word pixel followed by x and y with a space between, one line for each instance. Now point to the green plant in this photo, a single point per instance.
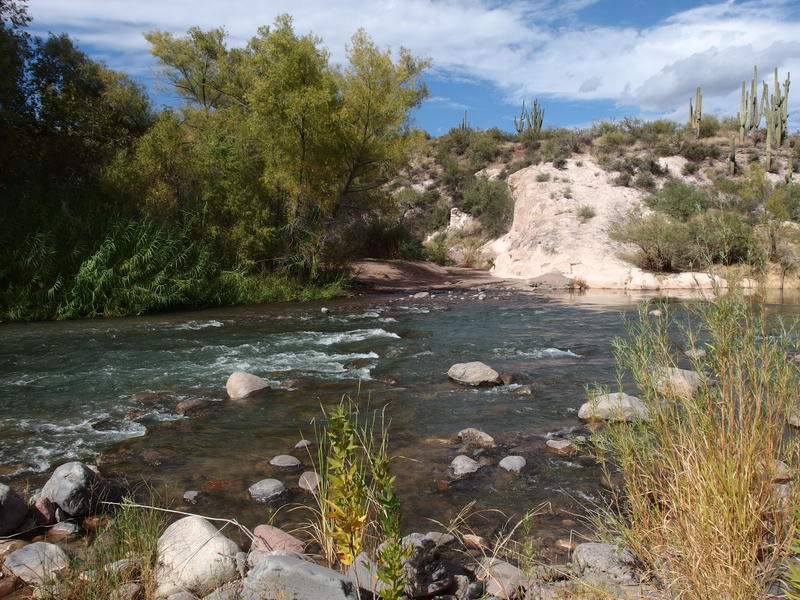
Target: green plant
pixel 530 120
pixel 697 151
pixel 644 181
pixel 623 179
pixel 696 112
pixel 560 163
pixel 437 250
pixel 699 506
pixel 542 177
pixel 585 212
pixel 679 200
pixel 490 202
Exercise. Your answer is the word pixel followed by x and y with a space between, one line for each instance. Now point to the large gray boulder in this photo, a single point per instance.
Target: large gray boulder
pixel 193 555
pixel 677 383
pixel 295 578
pixel 38 563
pixel 474 374
pixel 242 385
pixel 618 406
pixel 605 561
pixel 73 487
pixel 12 510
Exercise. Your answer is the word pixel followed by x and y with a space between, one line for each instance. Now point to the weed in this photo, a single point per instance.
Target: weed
pixel 585 213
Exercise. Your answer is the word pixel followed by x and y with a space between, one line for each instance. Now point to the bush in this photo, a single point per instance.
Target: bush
pixel 661 243
pixel 698 506
pixel 560 163
pixel 623 179
pixel 709 126
pixel 491 203
pixel 784 203
pixel 585 213
pixel 542 177
pixel 696 151
pixel 645 182
pixel 436 251
pixel 678 200
pixel 383 238
pixel 690 168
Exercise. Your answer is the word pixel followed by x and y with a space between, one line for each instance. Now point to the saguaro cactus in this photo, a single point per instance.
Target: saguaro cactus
pixel 696 112
pixel 530 121
pixel 749 111
pixel 732 157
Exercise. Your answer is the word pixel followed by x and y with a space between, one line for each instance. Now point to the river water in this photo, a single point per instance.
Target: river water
pixel 67 392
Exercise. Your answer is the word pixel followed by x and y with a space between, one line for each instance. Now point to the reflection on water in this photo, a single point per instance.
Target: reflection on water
pixel 66 391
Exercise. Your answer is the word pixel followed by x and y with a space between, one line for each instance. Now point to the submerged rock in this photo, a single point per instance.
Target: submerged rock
pixel 618 406
pixel 284 461
pixel 193 555
pixel 243 385
pixel 514 464
pixel 477 438
pixel 474 374
pixel 12 510
pixel 267 490
pixel 463 465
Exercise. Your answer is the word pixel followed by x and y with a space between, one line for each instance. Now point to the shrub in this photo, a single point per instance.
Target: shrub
pixel 690 168
pixel 436 251
pixel 585 213
pixel 661 244
pixel 623 179
pixel 709 126
pixel 784 203
pixel 678 200
pixel 542 177
pixel 383 238
pixel 613 142
pixel 560 163
pixel 698 505
pixel 645 182
pixel 491 203
pixel 697 151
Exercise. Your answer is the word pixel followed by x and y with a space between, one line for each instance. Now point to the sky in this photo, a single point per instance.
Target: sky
pixel 585 60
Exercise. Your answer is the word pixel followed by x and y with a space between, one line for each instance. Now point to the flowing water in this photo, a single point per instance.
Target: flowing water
pixel 67 392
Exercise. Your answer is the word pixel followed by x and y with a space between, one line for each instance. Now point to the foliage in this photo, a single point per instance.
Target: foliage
pixel 585 213
pixel 436 250
pixel 678 200
pixel 697 151
pixel 697 476
pixel 490 202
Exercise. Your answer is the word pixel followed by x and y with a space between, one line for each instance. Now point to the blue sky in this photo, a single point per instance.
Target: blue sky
pixel 584 60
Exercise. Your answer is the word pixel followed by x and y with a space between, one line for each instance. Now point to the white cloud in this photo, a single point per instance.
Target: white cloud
pixel 525 48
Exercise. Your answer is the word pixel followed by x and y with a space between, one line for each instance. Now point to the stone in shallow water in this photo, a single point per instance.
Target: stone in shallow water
pixel 242 385
pixel 677 383
pixel 474 374
pixel 513 463
pixel 476 437
pixel 302 444
pixel 309 481
pixel 463 465
pixel 561 447
pixel 266 490
pixel 618 406
pixel 284 461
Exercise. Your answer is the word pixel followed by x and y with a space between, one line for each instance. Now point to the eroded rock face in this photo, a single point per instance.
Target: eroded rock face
pixel 193 555
pixel 242 385
pixel 618 406
pixel 677 383
pixel 73 487
pixel 12 510
pixel 474 374
pixel 37 563
pixel 293 577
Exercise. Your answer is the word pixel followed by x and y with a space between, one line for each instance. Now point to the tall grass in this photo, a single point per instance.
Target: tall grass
pixel 130 536
pixel 699 505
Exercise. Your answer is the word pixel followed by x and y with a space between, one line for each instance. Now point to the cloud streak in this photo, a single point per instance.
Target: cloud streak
pixel 523 48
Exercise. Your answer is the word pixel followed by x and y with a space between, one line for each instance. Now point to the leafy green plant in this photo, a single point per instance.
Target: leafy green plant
pixel 490 202
pixel 678 200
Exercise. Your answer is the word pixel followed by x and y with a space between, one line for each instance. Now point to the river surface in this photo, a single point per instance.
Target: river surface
pixel 67 392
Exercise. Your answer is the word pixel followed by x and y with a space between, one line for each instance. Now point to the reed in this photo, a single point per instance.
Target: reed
pixel 699 506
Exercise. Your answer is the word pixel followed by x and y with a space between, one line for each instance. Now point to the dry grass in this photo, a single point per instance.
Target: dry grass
pixel 699 506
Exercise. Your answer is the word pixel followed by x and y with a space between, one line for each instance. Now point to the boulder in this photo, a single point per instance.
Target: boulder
pixel 37 563
pixel 309 481
pixel 295 578
pixel 513 464
pixel 193 555
pixel 780 472
pixel 476 438
pixel 561 447
pixel 243 385
pixel 618 406
pixel 793 418
pixel 605 561
pixel 73 487
pixel 503 580
pixel 463 465
pixel 12 510
pixel 474 374
pixel 269 538
pixel 44 511
pixel 267 490
pixel 677 383
pixel 284 461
